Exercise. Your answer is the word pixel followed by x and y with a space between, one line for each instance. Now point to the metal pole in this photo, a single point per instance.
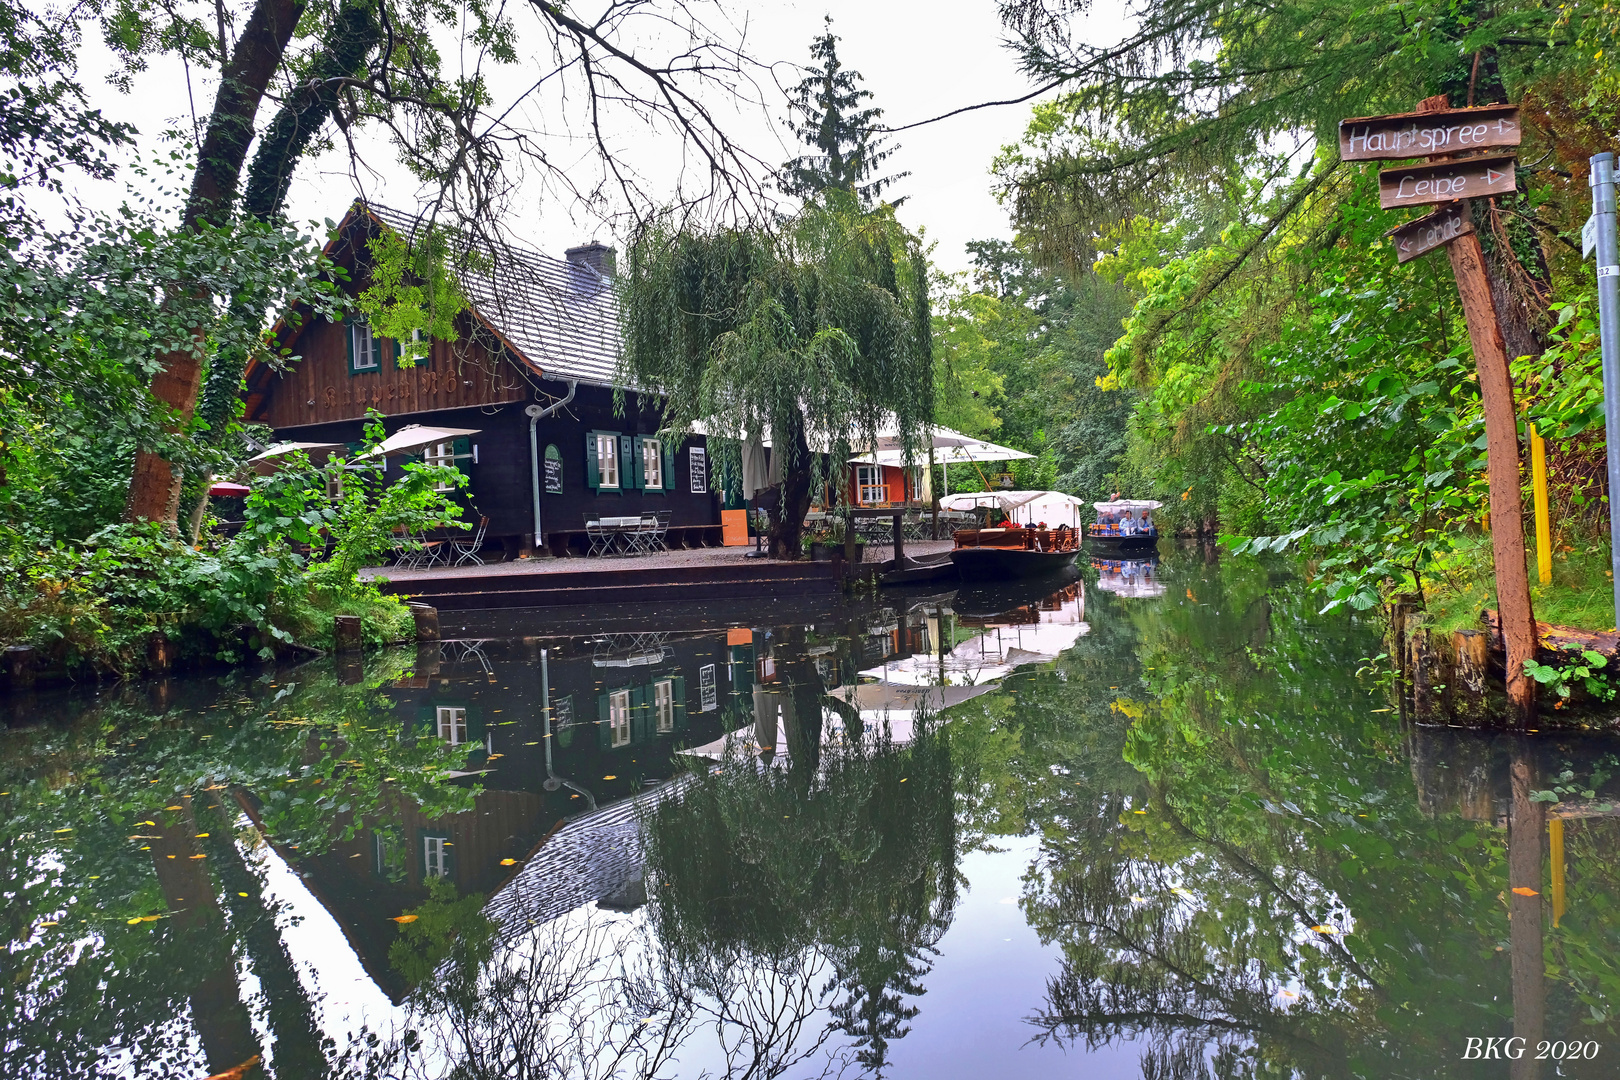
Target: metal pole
pixel 1538 478
pixel 1608 282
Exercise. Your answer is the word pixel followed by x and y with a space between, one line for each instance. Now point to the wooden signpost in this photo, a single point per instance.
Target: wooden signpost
pixel 1441 133
pixel 1446 181
pixel 1424 234
pixel 1423 134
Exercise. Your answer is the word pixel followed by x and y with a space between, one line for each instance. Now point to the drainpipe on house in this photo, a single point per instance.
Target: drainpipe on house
pixel 537 413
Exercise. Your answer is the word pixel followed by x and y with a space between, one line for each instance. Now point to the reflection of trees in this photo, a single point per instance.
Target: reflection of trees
pixel 122 867
pixel 777 893
pixel 1275 800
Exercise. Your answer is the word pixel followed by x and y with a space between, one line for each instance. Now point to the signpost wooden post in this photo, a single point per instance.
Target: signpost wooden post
pixel 1438 132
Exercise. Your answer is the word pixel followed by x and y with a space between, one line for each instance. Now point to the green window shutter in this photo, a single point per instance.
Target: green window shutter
pixel 680 702
pixel 592 468
pixel 640 714
pixel 604 723
pixel 626 468
pixel 669 463
pixel 640 464
pixel 462 448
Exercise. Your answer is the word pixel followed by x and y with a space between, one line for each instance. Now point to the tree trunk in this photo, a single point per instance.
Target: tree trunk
pixel 154 490
pixel 787 524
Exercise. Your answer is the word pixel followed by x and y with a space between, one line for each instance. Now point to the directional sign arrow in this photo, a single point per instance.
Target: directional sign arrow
pixel 1589 237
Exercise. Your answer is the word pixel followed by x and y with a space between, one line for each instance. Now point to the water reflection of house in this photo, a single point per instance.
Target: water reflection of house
pixel 562 801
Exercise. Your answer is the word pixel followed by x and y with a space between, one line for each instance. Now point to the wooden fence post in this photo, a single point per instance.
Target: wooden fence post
pixel 427 622
pixel 20 666
pixel 346 635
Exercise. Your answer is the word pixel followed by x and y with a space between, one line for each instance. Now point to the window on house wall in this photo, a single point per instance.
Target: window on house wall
pixel 605 452
pixel 869 486
pixel 443 453
pixel 919 482
pixel 452 723
pixel 416 345
pixel 436 856
pixel 619 717
pixel 365 347
pixel 652 464
pixel 664 705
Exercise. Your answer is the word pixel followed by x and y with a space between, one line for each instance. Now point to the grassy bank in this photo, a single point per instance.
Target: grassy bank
pixel 1579 595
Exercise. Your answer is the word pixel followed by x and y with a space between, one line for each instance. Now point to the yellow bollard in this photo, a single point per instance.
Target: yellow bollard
pixel 1555 841
pixel 1538 474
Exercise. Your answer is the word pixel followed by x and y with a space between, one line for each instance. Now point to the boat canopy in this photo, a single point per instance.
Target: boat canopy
pixel 1121 505
pixel 1027 507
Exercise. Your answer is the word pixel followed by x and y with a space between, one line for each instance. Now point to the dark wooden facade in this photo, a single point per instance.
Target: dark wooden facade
pixel 478 382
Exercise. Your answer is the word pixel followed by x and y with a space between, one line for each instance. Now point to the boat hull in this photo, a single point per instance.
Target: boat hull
pixel 1139 542
pixel 1007 564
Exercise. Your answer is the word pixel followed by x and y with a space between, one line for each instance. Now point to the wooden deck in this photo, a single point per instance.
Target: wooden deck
pixel 701 574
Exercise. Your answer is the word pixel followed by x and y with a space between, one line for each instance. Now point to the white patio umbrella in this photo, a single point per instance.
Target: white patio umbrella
pixel 269 460
pixel 414 437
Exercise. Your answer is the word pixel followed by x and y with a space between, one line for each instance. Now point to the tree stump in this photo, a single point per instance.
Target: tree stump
pixel 346 635
pixel 1421 671
pixel 427 622
pixel 159 652
pixel 20 665
pixel 1468 685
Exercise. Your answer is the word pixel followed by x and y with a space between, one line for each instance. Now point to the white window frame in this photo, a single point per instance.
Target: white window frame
pixel 652 463
pixel 367 346
pixel 619 718
pixel 451 721
pixel 708 689
pixel 440 453
pixel 664 706
pixel 607 461
pixel 869 479
pixel 435 861
pixel 697 468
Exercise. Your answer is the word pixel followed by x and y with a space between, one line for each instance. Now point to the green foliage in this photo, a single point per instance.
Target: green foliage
pixel 1581 668
pixel 414 297
pixel 819 331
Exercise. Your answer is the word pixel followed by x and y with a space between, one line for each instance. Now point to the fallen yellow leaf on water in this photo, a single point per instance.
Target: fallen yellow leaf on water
pixel 174 807
pixel 143 918
pixel 903 779
pixel 508 862
pixel 1522 891
pixel 68 829
pixel 1138 811
pixel 237 1072
pixel 404 918
pixel 202 834
pixel 241 894
pixel 1324 929
pixel 535 743
pixel 44 924
pixel 199 856
pixel 146 823
pixel 610 777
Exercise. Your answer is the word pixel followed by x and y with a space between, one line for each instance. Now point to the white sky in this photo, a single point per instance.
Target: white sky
pixel 919 59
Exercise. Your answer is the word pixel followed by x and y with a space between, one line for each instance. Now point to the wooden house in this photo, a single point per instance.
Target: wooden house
pixel 540 333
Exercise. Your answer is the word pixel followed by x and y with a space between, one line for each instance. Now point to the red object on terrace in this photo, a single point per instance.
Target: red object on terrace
pixel 225 489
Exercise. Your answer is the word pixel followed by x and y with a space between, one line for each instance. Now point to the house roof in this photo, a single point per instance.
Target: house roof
pixel 560 317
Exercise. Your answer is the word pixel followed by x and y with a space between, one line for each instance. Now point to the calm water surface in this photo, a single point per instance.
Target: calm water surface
pixel 1147 823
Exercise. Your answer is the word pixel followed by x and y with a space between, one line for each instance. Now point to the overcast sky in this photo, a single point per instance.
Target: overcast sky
pixel 919 59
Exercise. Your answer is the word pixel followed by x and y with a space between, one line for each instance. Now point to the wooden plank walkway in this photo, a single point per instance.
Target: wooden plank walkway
pixel 701 574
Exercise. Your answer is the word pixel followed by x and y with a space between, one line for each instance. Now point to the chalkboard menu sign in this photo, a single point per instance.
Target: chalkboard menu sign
pixel 553 471
pixel 699 465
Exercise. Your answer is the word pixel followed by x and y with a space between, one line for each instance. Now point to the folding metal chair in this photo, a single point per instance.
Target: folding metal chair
pixel 466 550
pixel 601 539
pixel 657 539
pixel 638 534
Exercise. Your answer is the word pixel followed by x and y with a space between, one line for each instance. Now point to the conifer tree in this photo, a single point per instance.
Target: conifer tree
pixel 831 116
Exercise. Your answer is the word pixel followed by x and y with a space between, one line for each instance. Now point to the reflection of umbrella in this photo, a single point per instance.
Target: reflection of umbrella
pixel 414 437
pixel 971 452
pixel 227 490
pixel 268 461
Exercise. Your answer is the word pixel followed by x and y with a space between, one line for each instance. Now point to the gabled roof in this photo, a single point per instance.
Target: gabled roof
pixel 560 317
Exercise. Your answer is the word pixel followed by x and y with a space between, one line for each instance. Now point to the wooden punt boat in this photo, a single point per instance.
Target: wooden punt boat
pixel 1124 525
pixel 1012 553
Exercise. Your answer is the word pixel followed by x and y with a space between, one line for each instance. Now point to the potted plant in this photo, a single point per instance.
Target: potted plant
pixel 827 543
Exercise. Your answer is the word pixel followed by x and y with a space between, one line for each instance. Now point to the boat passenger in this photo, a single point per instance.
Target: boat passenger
pixel 1128 526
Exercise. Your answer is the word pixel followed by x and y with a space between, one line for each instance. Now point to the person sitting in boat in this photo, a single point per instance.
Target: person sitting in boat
pixel 1147 522
pixel 1127 527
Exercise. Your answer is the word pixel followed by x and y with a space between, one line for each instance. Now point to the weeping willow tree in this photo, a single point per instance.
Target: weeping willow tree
pixel 816 334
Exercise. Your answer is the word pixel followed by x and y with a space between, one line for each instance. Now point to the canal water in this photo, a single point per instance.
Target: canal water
pixel 1160 820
